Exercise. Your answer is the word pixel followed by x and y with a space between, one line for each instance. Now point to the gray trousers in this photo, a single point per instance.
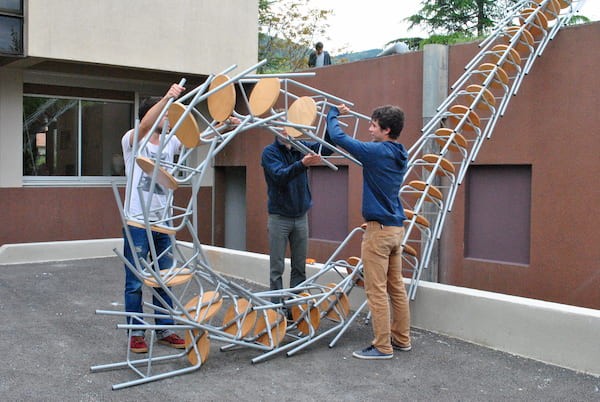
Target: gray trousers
pixel 282 230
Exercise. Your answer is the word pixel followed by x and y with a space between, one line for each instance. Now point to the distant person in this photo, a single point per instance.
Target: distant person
pixel 384 161
pixel 319 57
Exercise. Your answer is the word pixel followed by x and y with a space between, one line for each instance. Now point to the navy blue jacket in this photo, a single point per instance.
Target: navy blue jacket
pixel 287 182
pixel 384 165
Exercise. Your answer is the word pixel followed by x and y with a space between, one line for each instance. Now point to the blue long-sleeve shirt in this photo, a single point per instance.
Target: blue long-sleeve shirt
pixel 384 165
pixel 287 182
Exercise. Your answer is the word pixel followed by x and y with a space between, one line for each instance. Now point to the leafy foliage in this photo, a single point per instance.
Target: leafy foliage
pixel 288 30
pixel 464 17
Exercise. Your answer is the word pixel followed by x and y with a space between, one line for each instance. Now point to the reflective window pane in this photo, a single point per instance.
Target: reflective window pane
pixel 55 145
pixel 102 126
pixel 11 35
pixel 12 6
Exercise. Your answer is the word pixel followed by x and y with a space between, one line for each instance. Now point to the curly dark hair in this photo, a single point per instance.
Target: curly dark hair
pixel 146 105
pixel 391 117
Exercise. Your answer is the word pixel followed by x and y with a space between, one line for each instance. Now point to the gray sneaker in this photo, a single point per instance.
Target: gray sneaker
pixel 372 353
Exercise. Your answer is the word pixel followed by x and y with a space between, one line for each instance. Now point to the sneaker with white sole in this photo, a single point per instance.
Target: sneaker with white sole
pixel 372 353
pixel 397 346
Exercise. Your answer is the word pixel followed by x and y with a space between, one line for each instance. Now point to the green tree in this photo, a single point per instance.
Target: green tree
pixel 468 18
pixel 288 30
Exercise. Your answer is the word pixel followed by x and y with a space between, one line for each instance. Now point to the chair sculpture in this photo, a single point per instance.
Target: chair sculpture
pixel 210 307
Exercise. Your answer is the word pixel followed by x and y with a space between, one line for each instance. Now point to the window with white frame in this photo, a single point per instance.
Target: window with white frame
pixel 74 136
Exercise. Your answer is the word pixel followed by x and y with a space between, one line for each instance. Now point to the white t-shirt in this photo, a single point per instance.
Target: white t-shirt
pixel 141 179
pixel 320 59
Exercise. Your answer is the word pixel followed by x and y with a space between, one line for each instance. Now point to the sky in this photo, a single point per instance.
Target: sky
pixel 355 28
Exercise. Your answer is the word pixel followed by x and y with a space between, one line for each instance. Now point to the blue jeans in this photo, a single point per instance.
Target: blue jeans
pixel 282 230
pixel 133 286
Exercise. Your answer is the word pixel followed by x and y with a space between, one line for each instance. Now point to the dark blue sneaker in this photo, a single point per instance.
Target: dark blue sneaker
pixel 371 353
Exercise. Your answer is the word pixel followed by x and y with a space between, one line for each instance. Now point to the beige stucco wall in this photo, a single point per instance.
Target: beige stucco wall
pixel 145 33
pixel 11 128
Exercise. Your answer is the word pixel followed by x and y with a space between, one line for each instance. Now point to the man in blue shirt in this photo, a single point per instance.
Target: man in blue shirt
pixel 384 163
pixel 289 200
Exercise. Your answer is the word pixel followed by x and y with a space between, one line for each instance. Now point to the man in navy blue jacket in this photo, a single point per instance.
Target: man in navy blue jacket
pixel 384 163
pixel 289 200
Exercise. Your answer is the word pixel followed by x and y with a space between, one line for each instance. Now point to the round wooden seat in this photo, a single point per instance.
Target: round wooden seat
pixel 420 220
pixel 409 250
pixel 458 142
pixel 339 300
pixel 303 111
pixel 523 43
pixel 538 26
pixel 432 190
pixel 354 261
pixel 188 131
pixel 270 326
pixel 512 63
pixel 487 100
pixel 203 345
pixel 154 228
pixel 243 310
pixel 445 164
pixel 458 112
pixel 310 320
pixel 500 76
pixel 551 10
pixel 202 309
pixel 163 177
pixel 222 102
pixel 264 95
pixel 170 278
pixel 564 3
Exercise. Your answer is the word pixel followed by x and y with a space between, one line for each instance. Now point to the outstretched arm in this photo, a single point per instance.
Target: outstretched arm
pixel 148 120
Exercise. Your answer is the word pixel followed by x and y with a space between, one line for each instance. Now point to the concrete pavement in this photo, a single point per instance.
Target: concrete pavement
pixel 52 336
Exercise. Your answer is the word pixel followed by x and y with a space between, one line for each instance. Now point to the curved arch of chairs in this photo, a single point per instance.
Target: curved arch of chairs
pixel 210 307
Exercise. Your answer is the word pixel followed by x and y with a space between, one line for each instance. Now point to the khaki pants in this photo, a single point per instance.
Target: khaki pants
pixel 382 265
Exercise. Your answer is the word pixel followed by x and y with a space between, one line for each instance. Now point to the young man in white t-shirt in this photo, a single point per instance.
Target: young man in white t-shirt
pixel 148 113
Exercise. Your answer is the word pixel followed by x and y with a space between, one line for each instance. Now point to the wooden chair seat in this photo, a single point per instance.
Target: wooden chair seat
pixel 303 111
pixel 310 320
pixel 511 64
pixel 551 9
pixel 339 300
pixel 233 314
pixel 410 250
pixel 432 190
pixel 500 76
pixel 445 164
pixel 487 102
pixel 472 123
pixel 203 309
pixel 538 25
pixel 202 344
pixel 154 228
pixel 170 278
pixel 163 177
pixel 458 142
pixel 523 43
pixel 264 95
pixel 188 131
pixel 420 220
pixel 354 261
pixel 222 102
pixel 270 328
